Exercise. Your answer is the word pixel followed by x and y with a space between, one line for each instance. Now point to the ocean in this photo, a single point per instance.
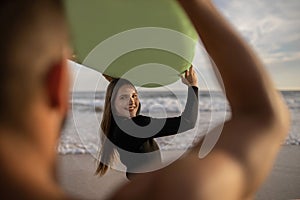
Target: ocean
pixel 80 134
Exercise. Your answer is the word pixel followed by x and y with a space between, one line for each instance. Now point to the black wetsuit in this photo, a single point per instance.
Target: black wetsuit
pixel 136 134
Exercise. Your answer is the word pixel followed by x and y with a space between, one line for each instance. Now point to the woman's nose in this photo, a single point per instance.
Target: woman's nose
pixel 131 99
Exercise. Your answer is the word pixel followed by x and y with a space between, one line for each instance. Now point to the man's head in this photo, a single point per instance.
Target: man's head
pixel 34 46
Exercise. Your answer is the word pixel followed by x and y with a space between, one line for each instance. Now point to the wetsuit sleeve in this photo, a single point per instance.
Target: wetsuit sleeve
pixel 182 123
pixel 131 134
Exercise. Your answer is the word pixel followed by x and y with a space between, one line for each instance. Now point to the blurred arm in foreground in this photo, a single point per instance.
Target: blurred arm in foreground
pixel 250 140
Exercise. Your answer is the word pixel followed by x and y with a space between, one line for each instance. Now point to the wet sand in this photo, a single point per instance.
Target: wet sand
pixel 76 176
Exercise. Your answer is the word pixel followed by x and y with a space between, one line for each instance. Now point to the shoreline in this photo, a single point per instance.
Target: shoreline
pixel 76 176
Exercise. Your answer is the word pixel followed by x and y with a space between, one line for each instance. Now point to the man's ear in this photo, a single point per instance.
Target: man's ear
pixel 58 83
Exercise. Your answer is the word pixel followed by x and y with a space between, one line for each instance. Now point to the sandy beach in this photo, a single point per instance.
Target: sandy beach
pixel 76 175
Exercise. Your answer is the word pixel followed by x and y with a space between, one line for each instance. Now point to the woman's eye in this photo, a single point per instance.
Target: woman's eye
pixel 124 97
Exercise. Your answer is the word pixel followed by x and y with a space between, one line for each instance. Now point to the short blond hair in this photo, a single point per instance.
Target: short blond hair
pixel 32 33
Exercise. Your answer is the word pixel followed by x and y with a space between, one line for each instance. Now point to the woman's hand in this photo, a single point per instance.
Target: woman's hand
pixel 190 78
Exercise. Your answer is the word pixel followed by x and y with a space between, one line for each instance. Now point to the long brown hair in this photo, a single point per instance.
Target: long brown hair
pixel 108 152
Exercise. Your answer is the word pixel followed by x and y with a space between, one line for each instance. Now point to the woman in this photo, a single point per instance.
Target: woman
pixel 125 128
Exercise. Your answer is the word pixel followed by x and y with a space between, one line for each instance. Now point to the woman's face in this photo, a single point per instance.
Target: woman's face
pixel 127 101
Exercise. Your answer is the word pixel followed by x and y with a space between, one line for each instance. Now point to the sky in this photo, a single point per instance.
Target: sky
pixel 272 27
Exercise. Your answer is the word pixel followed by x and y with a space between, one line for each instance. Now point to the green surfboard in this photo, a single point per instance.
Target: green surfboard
pixel 149 42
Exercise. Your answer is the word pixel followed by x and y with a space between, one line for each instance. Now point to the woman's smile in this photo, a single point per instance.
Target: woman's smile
pixel 127 101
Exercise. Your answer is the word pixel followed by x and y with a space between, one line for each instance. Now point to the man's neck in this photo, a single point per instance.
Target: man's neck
pixel 24 171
